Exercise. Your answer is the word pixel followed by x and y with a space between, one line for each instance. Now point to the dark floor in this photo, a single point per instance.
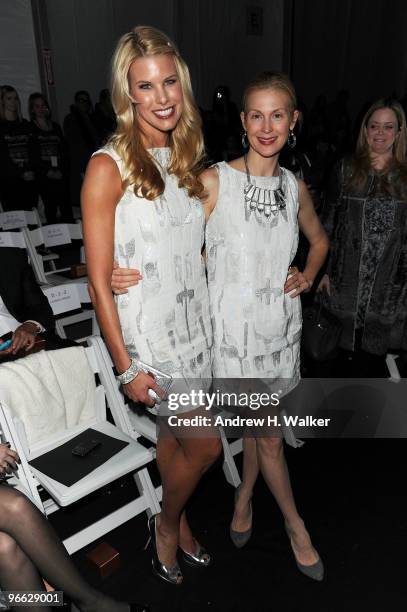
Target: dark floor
pixel 352 496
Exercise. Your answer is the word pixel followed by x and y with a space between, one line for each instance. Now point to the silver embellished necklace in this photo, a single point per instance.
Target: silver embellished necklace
pixel 266 202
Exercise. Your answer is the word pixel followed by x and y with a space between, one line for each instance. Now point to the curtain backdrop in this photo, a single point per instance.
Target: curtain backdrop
pixel 358 45
pixel 18 58
pixel 211 35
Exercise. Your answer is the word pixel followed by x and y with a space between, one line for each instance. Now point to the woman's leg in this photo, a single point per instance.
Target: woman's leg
pixel 166 448
pixel 270 453
pixel 17 572
pixel 242 516
pixel 181 461
pixel 24 523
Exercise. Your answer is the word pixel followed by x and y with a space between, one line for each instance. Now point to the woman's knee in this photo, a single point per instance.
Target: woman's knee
pixel 9 551
pixel 205 452
pixel 15 504
pixel 214 450
pixel 270 447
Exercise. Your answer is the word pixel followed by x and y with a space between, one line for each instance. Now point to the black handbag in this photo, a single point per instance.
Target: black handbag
pixel 321 332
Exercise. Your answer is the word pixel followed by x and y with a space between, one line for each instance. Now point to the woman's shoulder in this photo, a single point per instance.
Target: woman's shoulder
pixel 210 177
pixel 108 150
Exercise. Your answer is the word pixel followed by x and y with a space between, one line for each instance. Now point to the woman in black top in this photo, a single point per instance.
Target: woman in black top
pixel 50 160
pixel 18 190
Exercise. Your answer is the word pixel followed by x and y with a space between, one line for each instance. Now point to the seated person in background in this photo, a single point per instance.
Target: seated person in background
pixel 24 309
pixel 30 549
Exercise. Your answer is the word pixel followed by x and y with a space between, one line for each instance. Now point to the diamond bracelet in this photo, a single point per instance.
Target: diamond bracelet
pixel 131 372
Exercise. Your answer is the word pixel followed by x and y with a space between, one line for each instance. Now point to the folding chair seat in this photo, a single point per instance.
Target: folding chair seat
pixel 68 302
pixel 17 427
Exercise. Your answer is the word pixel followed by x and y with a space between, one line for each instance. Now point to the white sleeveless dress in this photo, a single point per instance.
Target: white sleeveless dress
pixel 165 319
pixel 256 327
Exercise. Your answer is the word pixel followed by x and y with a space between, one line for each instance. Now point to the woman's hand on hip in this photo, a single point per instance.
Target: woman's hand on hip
pixel 296 282
pixel 123 278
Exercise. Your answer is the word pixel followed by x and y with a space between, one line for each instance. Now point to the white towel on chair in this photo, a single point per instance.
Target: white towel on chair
pixel 49 391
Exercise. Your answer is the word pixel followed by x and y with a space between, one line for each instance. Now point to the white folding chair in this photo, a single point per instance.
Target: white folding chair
pixel 69 298
pixel 50 236
pixel 134 458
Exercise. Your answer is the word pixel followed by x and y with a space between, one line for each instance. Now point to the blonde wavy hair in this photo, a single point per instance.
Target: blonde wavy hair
pixel 361 163
pixel 186 140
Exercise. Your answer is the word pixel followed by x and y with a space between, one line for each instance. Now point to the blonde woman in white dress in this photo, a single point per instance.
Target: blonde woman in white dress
pixel 141 205
pixel 254 209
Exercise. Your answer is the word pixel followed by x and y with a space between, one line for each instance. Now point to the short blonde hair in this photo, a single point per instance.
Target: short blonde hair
pixel 186 140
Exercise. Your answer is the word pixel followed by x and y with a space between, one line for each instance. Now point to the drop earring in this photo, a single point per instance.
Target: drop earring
pixel 245 141
pixel 292 139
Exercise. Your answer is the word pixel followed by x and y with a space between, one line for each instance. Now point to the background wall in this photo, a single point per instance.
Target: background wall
pixel 211 35
pixel 18 56
pixel 358 45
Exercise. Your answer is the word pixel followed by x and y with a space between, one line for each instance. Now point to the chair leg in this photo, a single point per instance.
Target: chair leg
pixel 288 433
pixel 229 466
pixel 392 367
pixel 146 489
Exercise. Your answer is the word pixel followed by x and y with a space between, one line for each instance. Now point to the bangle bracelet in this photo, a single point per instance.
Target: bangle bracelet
pixel 131 372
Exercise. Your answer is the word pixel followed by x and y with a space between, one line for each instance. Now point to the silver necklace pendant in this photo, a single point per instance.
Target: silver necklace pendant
pixel 267 202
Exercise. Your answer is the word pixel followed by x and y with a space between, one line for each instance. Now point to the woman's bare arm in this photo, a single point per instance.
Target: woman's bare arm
pixel 311 227
pixel 101 192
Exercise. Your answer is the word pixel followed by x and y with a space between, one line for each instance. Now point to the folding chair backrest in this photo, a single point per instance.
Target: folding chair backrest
pixel 68 298
pixel 15 219
pixel 12 239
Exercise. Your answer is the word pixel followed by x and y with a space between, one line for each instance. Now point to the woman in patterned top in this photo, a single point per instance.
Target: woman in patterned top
pixel 365 216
